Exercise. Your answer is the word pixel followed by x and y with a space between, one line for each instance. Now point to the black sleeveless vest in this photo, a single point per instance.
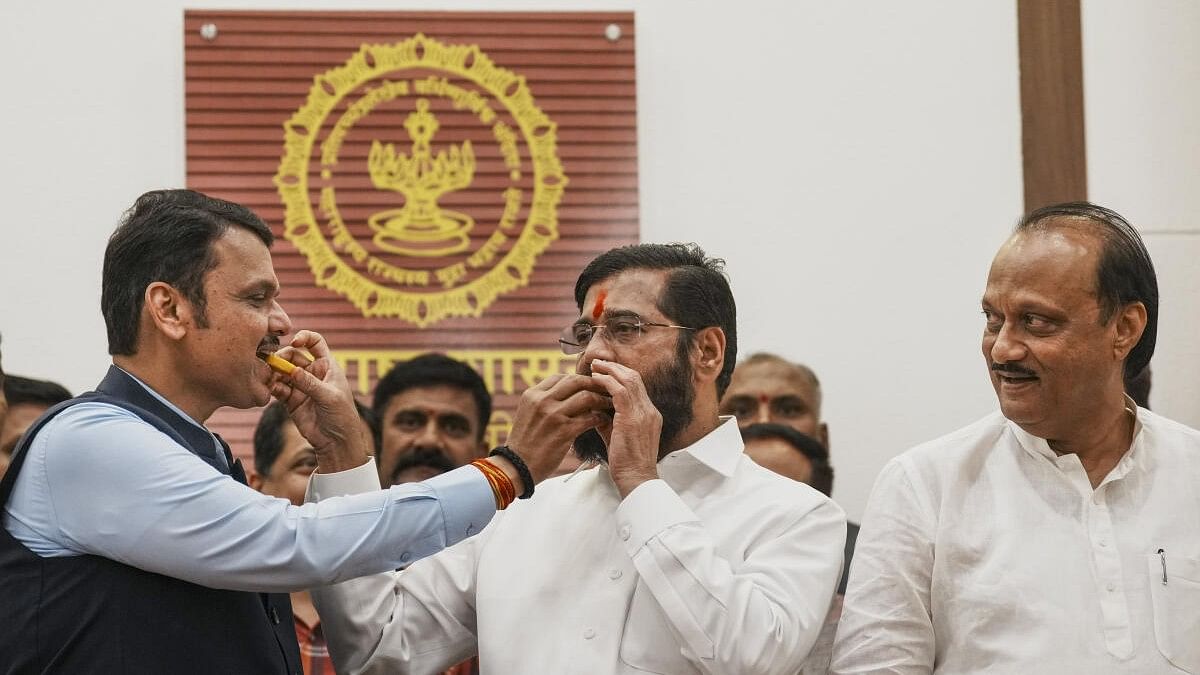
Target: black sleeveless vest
pixel 88 614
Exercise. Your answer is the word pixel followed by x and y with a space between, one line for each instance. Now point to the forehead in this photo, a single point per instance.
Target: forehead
pixel 293 442
pixel 438 399
pixel 1054 264
pixel 636 290
pixel 241 257
pixel 771 379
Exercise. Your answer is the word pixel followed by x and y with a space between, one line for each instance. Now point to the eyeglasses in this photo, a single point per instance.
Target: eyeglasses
pixel 624 330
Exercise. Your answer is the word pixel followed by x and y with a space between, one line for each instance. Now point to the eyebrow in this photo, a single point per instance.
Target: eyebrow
pixel 263 286
pixel 609 314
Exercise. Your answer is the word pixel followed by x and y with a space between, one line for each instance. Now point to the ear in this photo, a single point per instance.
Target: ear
pixel 168 311
pixel 255 481
pixel 709 357
pixel 1128 326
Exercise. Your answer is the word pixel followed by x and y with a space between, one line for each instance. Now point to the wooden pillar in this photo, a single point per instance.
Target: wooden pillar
pixel 1052 132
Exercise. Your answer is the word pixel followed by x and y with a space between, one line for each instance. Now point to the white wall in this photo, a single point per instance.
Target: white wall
pixel 859 173
pixel 1141 90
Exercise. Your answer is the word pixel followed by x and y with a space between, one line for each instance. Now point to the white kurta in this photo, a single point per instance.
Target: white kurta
pixel 985 551
pixel 719 567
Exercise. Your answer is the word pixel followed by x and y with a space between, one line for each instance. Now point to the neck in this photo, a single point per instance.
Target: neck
pixel 704 420
pixel 167 382
pixel 1100 443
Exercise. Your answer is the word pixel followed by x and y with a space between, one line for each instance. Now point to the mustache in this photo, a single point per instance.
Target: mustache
pixel 423 456
pixel 1013 369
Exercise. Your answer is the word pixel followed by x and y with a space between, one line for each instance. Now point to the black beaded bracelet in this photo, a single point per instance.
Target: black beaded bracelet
pixel 522 470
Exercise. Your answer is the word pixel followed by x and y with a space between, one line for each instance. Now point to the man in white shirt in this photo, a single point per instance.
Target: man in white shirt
pixel 669 552
pixel 1062 533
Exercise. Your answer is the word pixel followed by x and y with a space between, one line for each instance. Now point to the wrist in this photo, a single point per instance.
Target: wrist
pixel 509 470
pixel 524 476
pixel 627 483
pixel 337 457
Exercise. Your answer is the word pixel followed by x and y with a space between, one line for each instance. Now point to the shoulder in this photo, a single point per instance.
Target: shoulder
pixel 1167 435
pixel 772 497
pixel 100 429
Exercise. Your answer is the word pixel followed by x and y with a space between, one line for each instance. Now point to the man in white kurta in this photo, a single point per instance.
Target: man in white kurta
pixel 1061 534
pixel 675 554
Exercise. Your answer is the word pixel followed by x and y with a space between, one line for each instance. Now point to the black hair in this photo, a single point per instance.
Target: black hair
pixel 268 434
pixel 811 448
pixel 20 390
pixel 166 236
pixel 1125 273
pixel 696 294
pixel 429 370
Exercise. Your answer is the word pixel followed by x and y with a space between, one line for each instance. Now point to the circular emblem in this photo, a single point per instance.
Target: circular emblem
pixel 420 180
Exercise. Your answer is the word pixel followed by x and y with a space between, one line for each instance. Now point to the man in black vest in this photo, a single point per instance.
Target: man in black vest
pixel 131 543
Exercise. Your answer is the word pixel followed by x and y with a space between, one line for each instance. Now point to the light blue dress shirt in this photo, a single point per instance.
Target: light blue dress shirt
pixel 98 480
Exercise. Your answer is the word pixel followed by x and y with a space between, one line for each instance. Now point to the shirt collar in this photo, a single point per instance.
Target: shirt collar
pixel 720 449
pixel 161 399
pixel 1036 446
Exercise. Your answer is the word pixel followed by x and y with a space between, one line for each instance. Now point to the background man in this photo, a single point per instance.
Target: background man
pixel 433 411
pixel 132 520
pixel 1057 535
pixel 769 388
pixel 677 555
pixel 27 400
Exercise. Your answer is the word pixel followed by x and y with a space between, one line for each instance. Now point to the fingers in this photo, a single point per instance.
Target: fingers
pixel 313 342
pixel 622 383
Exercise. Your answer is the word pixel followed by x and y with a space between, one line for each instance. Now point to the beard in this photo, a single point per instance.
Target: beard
pixel 670 390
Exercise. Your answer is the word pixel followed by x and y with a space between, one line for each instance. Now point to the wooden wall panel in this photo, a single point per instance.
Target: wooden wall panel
pixel 1053 146
pixel 259 71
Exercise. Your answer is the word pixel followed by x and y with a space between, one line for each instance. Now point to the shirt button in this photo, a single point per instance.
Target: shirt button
pixel 405 557
pixel 625 533
pixel 1102 543
pixel 1111 587
pixel 614 574
pixel 589 634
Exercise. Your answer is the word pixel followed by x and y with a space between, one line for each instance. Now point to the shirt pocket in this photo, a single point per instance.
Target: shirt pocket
pixel 1176 609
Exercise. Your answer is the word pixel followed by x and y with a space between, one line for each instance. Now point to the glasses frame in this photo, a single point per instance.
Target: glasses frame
pixel 571 348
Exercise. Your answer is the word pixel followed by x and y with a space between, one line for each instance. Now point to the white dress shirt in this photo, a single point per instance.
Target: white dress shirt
pixel 99 480
pixel 985 551
pixel 719 566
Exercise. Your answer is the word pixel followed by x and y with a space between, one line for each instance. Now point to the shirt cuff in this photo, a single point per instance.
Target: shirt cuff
pixel 362 478
pixel 467 500
pixel 650 509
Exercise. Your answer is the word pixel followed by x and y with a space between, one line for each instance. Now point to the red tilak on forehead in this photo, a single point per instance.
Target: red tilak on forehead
pixel 599 308
pixel 762 398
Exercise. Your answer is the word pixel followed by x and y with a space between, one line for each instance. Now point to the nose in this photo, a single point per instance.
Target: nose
pixel 764 413
pixel 279 323
pixel 429 436
pixel 1007 346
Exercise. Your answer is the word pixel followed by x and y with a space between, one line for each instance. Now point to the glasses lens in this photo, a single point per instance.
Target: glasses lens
pixel 575 338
